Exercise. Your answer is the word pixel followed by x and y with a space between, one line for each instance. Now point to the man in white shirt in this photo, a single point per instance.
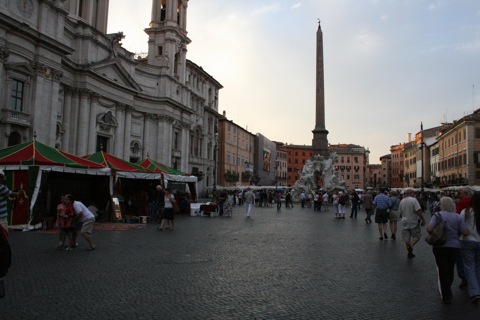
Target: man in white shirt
pixel 85 217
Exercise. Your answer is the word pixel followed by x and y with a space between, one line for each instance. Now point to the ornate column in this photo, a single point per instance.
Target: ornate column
pixel 83 110
pixel 54 76
pixel 127 133
pixel 118 146
pixel 147 149
pixel 92 131
pixel 73 124
pixel 67 109
pixel 183 15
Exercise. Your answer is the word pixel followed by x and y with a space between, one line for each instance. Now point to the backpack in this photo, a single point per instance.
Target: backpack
pixel 343 200
pixel 439 234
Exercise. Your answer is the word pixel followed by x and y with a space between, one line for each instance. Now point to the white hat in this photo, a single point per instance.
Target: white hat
pixel 2 173
pixel 159 187
pixel 340 192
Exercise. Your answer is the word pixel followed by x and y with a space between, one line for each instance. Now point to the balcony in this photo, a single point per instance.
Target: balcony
pixel 16 117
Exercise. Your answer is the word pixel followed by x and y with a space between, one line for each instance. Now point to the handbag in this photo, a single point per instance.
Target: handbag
pixel 439 234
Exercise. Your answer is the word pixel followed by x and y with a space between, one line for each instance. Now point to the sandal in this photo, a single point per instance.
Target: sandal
pixel 90 249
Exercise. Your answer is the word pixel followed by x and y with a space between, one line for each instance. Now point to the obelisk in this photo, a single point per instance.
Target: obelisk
pixel 320 141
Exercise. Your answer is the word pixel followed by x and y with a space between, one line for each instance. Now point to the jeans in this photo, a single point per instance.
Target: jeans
pixel 354 211
pixel 471 264
pixel 248 209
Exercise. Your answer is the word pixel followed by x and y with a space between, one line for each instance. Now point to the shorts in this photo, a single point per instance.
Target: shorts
pixel 381 216
pixel 87 226
pixel 393 215
pixel 414 233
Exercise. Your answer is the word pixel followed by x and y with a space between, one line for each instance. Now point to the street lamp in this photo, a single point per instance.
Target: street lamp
pixel 422 145
pixel 275 167
pixel 215 151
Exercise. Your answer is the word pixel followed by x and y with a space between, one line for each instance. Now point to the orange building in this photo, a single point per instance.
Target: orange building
pixel 297 157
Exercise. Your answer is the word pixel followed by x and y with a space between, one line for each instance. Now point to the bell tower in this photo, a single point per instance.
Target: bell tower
pixel 167 36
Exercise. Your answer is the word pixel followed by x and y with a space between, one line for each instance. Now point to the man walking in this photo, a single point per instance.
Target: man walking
pixel 411 211
pixel 249 201
pixel 381 203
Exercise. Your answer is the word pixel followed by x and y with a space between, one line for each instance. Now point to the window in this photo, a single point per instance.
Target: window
pixel 14 138
pixel 16 98
pixel 102 143
pixel 175 142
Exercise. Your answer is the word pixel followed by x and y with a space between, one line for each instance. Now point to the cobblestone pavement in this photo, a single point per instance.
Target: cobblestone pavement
pixel 295 264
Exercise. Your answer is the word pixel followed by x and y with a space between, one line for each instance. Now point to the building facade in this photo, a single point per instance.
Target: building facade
pixel 459 152
pixel 351 164
pixel 65 79
pixel 385 173
pixel 374 176
pixel 281 166
pixel 297 157
pixel 235 154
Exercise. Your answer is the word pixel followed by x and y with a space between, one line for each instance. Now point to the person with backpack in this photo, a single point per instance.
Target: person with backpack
pixel 445 254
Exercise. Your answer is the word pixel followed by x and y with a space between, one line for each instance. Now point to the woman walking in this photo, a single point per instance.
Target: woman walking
pixel 168 213
pixel 446 253
pixel 471 248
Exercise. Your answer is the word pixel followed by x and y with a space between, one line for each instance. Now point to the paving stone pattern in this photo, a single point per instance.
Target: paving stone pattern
pixel 295 264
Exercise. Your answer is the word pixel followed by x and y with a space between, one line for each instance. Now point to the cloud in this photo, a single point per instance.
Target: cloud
pixel 296 5
pixel 271 8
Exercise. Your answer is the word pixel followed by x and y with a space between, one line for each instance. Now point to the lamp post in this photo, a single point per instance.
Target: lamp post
pixel 422 145
pixel 215 151
pixel 275 167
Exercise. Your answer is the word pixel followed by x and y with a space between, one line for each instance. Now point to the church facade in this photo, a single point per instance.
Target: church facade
pixel 71 85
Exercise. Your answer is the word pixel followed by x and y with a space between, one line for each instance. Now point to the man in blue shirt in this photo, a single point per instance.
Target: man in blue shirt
pixel 382 204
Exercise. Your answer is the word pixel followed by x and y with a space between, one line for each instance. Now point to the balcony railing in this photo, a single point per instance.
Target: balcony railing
pixel 16 117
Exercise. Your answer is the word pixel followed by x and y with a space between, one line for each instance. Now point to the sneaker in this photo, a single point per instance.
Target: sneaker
pixel 385 236
pixel 410 255
pixel 393 236
pixel 475 299
pixel 69 248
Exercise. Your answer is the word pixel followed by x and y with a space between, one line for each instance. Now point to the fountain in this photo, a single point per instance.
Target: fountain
pixel 319 174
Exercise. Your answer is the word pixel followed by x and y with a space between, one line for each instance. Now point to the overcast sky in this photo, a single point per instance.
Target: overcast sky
pixel 389 64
